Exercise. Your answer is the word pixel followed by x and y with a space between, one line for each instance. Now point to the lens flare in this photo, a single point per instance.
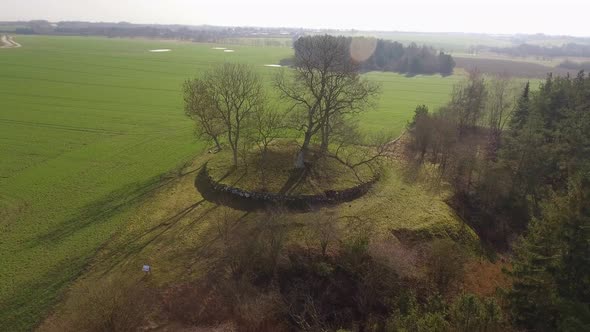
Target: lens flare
pixel 362 48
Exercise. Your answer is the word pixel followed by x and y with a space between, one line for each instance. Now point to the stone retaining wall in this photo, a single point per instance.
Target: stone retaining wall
pixel 252 200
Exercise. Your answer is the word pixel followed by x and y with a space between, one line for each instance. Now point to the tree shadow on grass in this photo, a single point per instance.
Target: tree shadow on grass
pixel 114 203
pixel 295 178
pixel 207 249
pixel 138 243
pixel 27 307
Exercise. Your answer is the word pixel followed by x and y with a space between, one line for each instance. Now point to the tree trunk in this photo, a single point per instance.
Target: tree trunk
pixel 217 145
pixel 325 141
pixel 263 167
pixel 300 160
pixel 422 155
pixel 235 155
pixel 234 147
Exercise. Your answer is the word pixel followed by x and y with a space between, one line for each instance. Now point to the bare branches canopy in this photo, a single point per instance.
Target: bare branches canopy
pixel 324 90
pixel 222 101
pixel 322 94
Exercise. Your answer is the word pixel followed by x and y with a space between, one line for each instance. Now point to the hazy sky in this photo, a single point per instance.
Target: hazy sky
pixel 491 16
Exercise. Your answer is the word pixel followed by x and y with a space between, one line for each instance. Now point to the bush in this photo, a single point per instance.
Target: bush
pixel 260 312
pixel 445 262
pixel 109 305
pixel 200 304
pixel 469 313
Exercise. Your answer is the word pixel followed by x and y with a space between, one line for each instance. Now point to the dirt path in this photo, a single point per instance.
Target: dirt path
pixel 8 42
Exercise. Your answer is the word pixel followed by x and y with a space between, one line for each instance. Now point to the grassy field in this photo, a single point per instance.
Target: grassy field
pixel 89 127
pixel 400 96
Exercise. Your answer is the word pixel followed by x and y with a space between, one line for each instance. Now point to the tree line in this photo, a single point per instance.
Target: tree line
pixel 524 50
pixel 173 31
pixel 520 170
pixel 412 59
pixel 568 64
pixel 386 55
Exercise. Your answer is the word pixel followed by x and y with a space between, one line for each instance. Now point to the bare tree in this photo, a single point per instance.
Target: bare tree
pixel 468 101
pixel 500 104
pixel 445 264
pixel 231 92
pixel 324 88
pixel 198 105
pixel 355 150
pixel 421 131
pixel 324 231
pixel 268 125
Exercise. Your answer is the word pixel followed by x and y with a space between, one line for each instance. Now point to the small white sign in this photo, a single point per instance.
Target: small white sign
pixel 146 268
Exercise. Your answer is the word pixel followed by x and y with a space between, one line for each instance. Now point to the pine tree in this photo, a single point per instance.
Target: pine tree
pixel 552 264
pixel 573 273
pixel 550 157
pixel 521 113
pixel 534 294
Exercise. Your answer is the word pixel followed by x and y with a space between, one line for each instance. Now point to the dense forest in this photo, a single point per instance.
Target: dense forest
pixel 521 178
pixel 386 55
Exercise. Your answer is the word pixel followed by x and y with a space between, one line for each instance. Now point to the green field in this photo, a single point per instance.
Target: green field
pixel 87 128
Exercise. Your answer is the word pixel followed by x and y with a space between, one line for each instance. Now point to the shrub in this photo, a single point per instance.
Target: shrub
pixel 109 305
pixel 445 263
pixel 197 304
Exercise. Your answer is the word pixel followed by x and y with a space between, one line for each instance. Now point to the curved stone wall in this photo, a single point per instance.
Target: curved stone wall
pixel 251 200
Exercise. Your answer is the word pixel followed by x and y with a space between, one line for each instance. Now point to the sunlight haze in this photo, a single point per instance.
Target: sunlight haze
pixel 484 16
pixel 294 165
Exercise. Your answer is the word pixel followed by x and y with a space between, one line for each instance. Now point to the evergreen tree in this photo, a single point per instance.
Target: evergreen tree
pixel 533 295
pixel 520 114
pixel 446 63
pixel 573 273
pixel 552 264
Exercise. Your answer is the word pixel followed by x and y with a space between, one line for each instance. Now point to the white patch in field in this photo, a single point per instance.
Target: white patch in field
pixel 219 48
pixel 228 51
pixel 161 50
pixel 276 66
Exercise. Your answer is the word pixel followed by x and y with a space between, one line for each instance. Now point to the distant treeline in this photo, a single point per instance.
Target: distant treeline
pixel 413 59
pixel 393 56
pixel 570 49
pixel 181 32
pixel 568 64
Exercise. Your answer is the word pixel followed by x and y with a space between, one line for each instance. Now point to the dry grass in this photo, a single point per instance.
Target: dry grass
pixel 276 170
